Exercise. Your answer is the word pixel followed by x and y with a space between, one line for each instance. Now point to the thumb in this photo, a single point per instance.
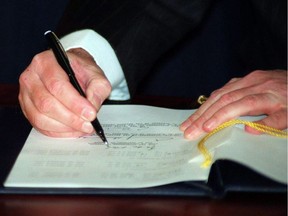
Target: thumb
pixel 277 120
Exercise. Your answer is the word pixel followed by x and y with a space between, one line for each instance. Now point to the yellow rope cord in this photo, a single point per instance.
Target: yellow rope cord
pixel 260 127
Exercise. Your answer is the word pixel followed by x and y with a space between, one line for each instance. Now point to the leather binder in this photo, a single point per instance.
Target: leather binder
pixel 225 176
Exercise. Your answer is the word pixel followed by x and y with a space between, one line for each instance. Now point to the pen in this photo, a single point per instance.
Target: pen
pixel 63 61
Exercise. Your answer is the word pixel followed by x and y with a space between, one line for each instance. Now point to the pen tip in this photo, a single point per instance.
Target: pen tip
pixel 102 136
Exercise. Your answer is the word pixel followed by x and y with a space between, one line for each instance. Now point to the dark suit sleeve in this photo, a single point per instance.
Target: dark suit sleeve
pixel 139 31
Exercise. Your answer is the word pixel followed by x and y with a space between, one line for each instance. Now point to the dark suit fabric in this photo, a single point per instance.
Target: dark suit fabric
pixel 23 24
pixel 185 48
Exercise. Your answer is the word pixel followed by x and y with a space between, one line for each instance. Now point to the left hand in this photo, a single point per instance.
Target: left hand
pixel 260 92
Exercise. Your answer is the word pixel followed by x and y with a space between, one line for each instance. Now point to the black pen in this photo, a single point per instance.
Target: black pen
pixel 63 61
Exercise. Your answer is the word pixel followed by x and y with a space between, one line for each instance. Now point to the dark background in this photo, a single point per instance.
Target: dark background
pixel 235 38
pixel 23 24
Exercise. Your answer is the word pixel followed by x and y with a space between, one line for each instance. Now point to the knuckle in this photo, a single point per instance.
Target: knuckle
pixel 275 87
pixel 102 84
pixel 44 104
pixel 108 88
pixel 268 83
pixel 216 94
pixel 278 116
pixel 72 121
pixel 106 84
pixel 256 73
pixel 41 60
pixel 200 121
pixel 224 113
pixel 251 100
pixel 227 98
pixel 24 78
pixel 36 121
pixel 56 87
pixel 194 116
pixel 233 79
pixel 38 59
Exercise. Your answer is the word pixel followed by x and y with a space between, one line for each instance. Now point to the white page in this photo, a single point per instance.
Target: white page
pixel 146 149
pixel 263 153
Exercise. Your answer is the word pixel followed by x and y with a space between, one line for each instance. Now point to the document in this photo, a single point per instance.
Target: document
pixel 146 148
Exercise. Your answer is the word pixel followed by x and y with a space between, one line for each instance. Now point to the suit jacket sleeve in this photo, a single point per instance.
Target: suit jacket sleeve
pixel 139 31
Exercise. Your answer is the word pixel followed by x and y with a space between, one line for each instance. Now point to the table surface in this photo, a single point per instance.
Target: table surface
pixel 233 204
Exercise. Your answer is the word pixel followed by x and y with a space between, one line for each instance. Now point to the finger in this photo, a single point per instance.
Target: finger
pixel 233 80
pixel 37 101
pixel 233 85
pixel 49 106
pixel 249 105
pixel 41 117
pixel 68 96
pixel 98 89
pixel 212 105
pixel 49 126
pixel 40 121
pixel 63 134
pixel 92 79
pixel 57 84
pixel 255 104
pixel 223 101
pixel 250 80
pixel 277 120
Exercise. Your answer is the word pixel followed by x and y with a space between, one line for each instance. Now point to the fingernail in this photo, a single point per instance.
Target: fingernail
pixel 88 114
pixel 87 127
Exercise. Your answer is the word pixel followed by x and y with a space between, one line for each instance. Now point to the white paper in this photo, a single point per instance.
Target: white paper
pixel 146 148
pixel 263 153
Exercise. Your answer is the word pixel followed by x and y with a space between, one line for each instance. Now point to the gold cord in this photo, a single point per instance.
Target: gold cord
pixel 260 127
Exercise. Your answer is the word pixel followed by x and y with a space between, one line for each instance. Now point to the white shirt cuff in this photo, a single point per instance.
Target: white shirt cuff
pixel 105 57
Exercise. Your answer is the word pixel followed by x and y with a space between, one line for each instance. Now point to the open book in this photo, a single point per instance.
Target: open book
pixel 146 148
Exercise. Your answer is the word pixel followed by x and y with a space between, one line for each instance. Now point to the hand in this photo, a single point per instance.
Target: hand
pixel 260 92
pixel 50 102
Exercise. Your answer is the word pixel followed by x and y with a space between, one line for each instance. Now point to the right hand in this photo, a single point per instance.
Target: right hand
pixel 50 102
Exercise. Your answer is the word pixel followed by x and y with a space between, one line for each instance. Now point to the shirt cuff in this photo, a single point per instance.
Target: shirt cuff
pixel 105 57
